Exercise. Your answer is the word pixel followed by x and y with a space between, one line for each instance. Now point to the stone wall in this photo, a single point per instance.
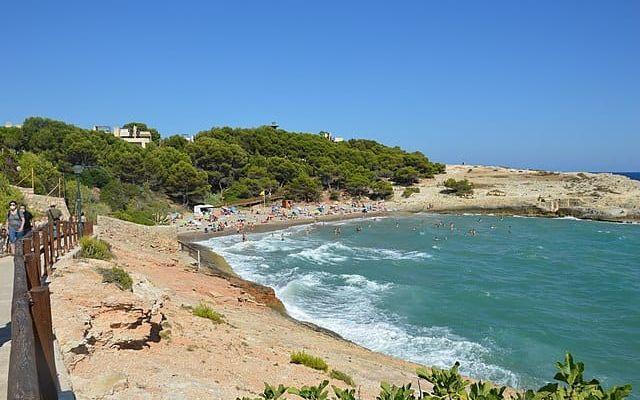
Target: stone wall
pixel 159 237
pixel 41 203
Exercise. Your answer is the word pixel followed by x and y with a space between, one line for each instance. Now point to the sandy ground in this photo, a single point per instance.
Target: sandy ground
pixel 528 192
pixel 146 344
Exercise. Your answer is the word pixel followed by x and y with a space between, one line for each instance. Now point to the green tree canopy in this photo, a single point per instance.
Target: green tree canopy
pixel 45 175
pixel 186 182
pixel 305 188
pixel 406 176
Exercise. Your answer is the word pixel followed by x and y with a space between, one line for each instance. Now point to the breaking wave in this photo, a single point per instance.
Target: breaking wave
pixel 350 303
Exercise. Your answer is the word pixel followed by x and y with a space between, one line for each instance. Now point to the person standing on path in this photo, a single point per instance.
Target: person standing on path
pixel 28 217
pixel 15 225
pixel 54 216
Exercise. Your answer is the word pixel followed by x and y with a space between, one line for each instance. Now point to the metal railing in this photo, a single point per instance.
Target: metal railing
pixel 32 367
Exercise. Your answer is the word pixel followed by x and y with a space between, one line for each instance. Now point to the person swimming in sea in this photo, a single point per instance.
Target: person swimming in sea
pixel 358 228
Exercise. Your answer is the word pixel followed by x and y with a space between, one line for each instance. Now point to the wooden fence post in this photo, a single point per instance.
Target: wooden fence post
pixel 58 238
pixel 45 249
pixel 22 382
pixel 45 359
pixel 36 252
pixel 26 245
pixel 52 255
pixel 33 276
pixel 72 235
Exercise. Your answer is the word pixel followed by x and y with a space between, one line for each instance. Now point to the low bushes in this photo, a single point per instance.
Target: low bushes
pixel 95 248
pixel 118 276
pixel 407 192
pixel 204 311
pixel 460 188
pixel 137 217
pixel 308 360
pixel 341 376
pixel 448 384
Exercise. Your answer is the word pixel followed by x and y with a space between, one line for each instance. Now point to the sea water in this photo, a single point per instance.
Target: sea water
pixel 506 302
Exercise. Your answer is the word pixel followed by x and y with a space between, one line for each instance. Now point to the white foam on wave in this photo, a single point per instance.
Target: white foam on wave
pixel 361 322
pixel 348 303
pixel 324 254
pixel 337 252
pixel 361 281
pixel 569 217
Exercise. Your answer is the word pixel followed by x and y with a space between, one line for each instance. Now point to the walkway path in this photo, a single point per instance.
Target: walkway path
pixel 6 293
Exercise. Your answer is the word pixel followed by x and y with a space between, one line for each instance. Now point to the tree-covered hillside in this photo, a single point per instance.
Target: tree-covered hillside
pixel 226 163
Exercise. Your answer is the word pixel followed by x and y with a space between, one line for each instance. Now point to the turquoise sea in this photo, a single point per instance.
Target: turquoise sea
pixel 507 302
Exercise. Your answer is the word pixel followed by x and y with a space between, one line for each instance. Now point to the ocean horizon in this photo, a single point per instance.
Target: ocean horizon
pixel 506 303
pixel 632 175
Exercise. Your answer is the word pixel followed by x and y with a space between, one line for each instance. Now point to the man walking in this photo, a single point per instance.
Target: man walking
pixel 54 216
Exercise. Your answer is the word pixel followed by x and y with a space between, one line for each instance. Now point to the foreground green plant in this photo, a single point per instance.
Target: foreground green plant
pixel 312 392
pixel 117 276
pixel 574 386
pixel 204 311
pixel 269 393
pixel 309 361
pixel 344 394
pixel 393 392
pixel 95 248
pixel 447 384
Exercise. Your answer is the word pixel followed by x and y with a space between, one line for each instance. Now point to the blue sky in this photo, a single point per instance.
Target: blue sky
pixel 546 84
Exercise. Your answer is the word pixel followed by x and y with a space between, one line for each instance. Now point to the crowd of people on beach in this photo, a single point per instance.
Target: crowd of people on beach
pixel 246 220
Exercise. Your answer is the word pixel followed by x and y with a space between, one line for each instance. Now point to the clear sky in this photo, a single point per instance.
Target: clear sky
pixel 547 84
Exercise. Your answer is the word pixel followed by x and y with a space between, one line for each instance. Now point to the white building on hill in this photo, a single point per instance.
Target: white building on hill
pixel 141 138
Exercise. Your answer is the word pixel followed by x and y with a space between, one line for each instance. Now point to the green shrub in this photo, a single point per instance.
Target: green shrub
pixel 269 393
pixel 204 311
pixel 341 376
pixel 574 386
pixel 95 248
pixel 137 217
pixel 312 392
pixel 459 188
pixel 344 394
pixel 406 176
pixel 449 385
pixel 381 190
pixel 118 276
pixel 334 195
pixel 407 192
pixel 7 193
pixel 393 392
pixel 446 382
pixel 308 360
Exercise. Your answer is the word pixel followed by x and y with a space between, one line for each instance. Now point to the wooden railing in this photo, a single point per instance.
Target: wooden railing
pixel 32 367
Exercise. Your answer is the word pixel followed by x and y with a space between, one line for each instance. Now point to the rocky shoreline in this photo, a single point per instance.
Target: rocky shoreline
pixel 508 191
